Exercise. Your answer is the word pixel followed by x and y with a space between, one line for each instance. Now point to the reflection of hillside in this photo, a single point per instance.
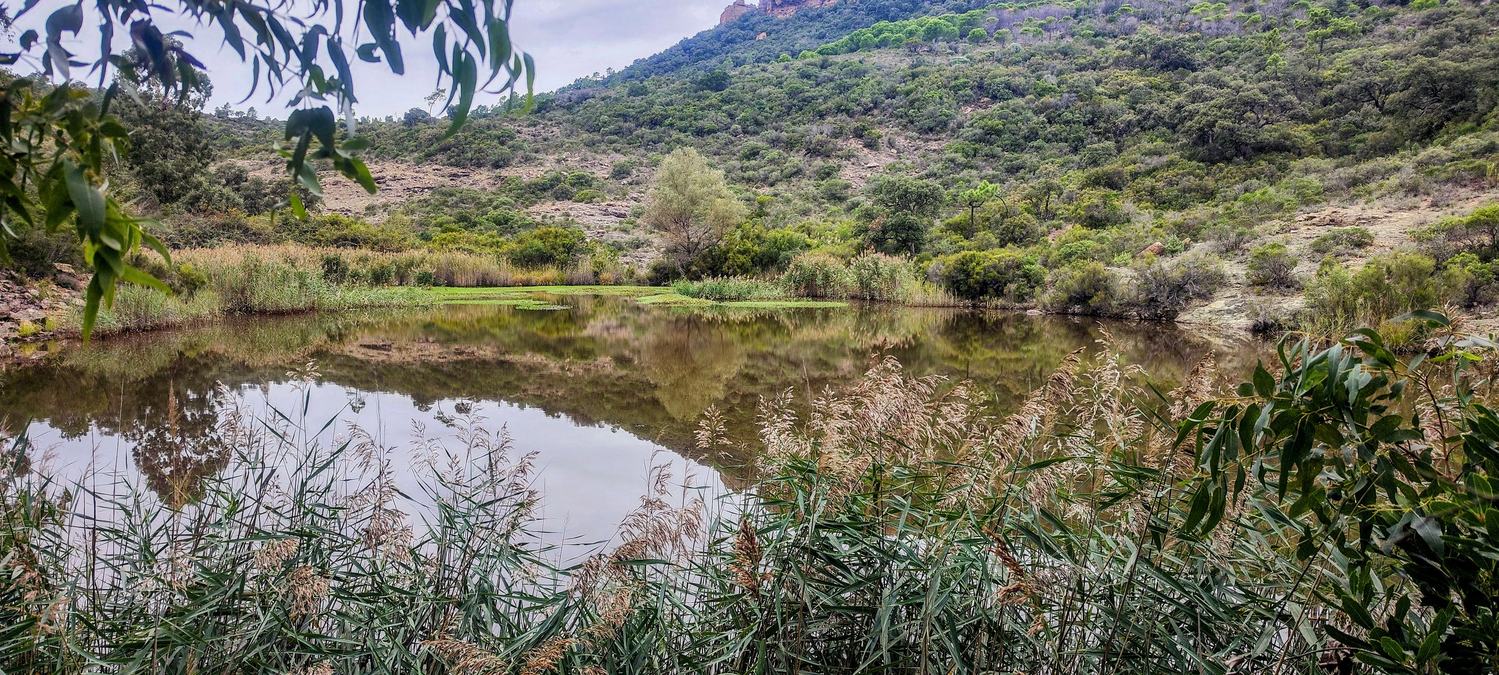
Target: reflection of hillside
pixel 603 362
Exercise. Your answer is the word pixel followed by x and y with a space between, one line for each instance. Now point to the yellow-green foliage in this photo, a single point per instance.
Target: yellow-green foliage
pixel 1385 287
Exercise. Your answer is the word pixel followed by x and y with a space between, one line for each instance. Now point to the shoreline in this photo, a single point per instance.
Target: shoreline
pixel 15 350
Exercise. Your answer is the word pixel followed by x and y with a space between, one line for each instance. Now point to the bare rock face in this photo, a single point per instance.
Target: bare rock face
pixel 784 8
pixel 734 12
pixel 777 8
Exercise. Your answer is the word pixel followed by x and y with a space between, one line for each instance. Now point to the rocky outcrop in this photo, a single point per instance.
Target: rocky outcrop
pixel 734 12
pixel 777 8
pixel 28 308
pixel 784 8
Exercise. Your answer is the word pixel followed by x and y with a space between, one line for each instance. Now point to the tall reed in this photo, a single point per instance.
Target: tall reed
pixel 900 526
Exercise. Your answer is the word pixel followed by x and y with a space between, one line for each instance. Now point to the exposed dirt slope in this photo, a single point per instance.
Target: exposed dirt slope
pixel 401 182
pixel 1392 221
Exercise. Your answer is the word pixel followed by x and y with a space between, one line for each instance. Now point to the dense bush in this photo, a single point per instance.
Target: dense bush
pixel 752 249
pixel 1004 275
pixel 1477 232
pixel 1098 209
pixel 1342 241
pixel 1272 265
pixel 1083 287
pixel 339 231
pixel 549 246
pixel 1385 287
pixel 1162 289
pixel 1471 281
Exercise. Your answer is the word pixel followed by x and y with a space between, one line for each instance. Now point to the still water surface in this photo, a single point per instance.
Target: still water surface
pixel 601 389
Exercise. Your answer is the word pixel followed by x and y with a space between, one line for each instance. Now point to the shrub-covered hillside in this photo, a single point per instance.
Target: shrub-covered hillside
pixel 760 37
pixel 1088 143
pixel 1316 165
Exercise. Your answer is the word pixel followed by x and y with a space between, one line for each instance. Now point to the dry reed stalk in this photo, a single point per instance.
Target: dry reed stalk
pixel 467 658
pixel 545 657
pixel 1199 386
pixel 745 567
pixel 272 556
pixel 653 530
pixel 307 589
pixel 319 668
pixel 887 417
pixel 1041 407
pixel 711 430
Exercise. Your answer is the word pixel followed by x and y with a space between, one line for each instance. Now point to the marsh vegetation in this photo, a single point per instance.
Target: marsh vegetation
pixel 1329 514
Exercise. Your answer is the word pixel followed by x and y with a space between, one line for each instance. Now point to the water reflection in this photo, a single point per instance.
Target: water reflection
pixel 177 445
pixel 598 388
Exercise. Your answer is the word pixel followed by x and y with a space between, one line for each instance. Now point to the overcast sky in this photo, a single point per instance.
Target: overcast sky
pixel 568 38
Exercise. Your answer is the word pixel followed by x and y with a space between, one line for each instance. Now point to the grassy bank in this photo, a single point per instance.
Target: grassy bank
pixel 1098 528
pixel 866 278
pixel 208 284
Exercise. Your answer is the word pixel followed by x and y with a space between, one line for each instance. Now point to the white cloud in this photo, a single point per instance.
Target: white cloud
pixel 568 38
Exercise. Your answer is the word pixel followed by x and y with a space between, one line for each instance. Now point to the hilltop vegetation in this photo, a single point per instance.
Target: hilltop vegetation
pixel 1151 159
pixel 1090 146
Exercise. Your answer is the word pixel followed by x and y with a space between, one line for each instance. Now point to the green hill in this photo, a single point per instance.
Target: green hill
pixel 1152 159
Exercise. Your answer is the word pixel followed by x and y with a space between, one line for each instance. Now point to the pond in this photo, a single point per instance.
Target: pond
pixel 600 387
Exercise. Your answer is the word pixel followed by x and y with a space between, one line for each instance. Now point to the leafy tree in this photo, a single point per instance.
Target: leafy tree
pixel 1098 209
pixel 416 116
pixel 975 197
pixel 714 80
pixel 60 138
pixel 901 212
pixel 1003 274
pixel 691 207
pixel 1042 194
pixel 551 245
pixel 170 148
pixel 1226 118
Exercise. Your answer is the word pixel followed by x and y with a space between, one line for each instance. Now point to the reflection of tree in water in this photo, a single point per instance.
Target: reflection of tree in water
pixel 691 363
pixel 180 445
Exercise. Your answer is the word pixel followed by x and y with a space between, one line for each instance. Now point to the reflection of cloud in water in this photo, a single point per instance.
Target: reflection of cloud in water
pixel 597 388
pixel 589 476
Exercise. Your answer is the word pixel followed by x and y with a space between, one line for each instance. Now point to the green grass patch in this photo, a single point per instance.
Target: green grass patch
pixel 448 294
pixel 782 304
pixel 670 299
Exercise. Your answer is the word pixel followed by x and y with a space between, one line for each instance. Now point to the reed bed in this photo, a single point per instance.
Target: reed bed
pixel 871 277
pixel 213 283
pixel 899 527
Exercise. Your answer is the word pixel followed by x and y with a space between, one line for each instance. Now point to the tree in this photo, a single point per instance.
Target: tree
pixel 1227 118
pixel 903 209
pixel 691 207
pixel 714 80
pixel 63 181
pixel 975 197
pixel 416 116
pixel 170 148
pixel 1098 209
pixel 1042 193
pixel 435 98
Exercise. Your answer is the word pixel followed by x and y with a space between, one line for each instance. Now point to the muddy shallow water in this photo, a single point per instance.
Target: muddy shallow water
pixel 600 389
